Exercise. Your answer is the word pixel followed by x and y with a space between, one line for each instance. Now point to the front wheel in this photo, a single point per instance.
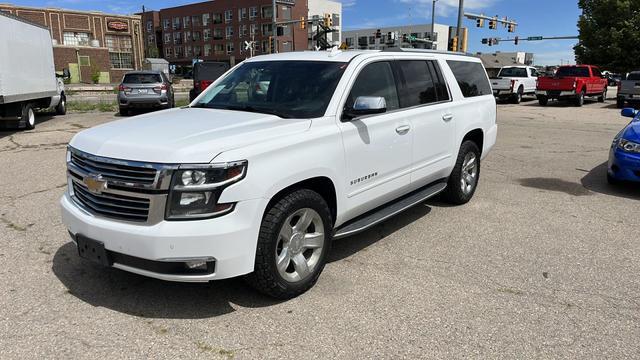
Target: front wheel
pixel 543 100
pixel 466 173
pixel 61 109
pixel 295 238
pixel 603 96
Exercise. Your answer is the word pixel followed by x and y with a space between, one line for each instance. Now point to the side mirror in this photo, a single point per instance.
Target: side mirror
pixel 629 112
pixel 66 74
pixel 366 105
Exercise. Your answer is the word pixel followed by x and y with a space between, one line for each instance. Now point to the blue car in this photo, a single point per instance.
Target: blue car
pixel 624 158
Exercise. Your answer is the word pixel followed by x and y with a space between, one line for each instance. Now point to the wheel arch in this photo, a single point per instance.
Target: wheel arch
pixel 323 185
pixel 477 136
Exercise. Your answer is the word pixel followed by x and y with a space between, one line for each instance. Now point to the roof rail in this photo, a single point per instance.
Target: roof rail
pixel 428 51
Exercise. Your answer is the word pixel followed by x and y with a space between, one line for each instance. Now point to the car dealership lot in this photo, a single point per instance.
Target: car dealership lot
pixel 542 263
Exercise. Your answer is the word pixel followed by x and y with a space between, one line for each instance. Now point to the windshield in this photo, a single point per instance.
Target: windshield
pixel 513 72
pixel 141 79
pixel 289 89
pixel 573 71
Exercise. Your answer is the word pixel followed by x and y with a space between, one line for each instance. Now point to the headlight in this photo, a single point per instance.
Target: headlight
pixel 629 146
pixel 195 190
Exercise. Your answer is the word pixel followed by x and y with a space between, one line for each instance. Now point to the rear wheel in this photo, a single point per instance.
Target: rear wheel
pixel 28 117
pixel 295 238
pixel 543 100
pixel 580 99
pixel 517 97
pixel 464 178
pixel 61 109
pixel 124 111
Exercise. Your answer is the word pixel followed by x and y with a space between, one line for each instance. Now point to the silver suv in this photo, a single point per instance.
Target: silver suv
pixel 145 90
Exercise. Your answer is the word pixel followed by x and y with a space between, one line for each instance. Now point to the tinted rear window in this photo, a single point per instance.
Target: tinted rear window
pixel 634 76
pixel 573 71
pixel 471 78
pixel 513 72
pixel 142 79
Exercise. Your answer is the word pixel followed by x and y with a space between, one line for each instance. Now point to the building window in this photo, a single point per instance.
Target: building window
pixel 196 36
pixel 286 13
pixel 151 39
pixel 229 32
pixel 207 49
pixel 242 13
pixel 195 20
pixel 242 30
pixel 217 34
pixel 267 12
pixel 120 51
pixel 217 18
pixel 267 29
pixel 167 38
pixel 165 24
pixel 176 23
pixel 84 60
pixel 228 15
pixel 229 48
pixel 187 36
pixel 187 21
pixel 253 12
pixel 179 52
pixel 219 49
pixel 168 52
pixel 76 39
pixel 206 19
pixel 197 51
pixel 188 51
pixel 177 38
pixel 149 26
pixel 253 30
pixel 207 34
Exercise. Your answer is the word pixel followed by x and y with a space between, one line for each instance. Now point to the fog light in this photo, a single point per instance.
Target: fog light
pixel 196 265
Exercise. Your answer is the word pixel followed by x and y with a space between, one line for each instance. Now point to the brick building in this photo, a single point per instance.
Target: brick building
pixel 89 43
pixel 217 30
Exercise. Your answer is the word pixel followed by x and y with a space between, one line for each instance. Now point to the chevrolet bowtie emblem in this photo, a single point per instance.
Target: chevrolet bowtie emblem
pixel 95 183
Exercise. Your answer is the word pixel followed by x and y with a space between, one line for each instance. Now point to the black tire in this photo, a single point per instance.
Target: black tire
pixel 61 109
pixel 266 278
pixel 620 103
pixel 28 117
pixel 603 96
pixel 124 111
pixel 543 100
pixel 454 193
pixel 611 180
pixel 579 101
pixel 517 97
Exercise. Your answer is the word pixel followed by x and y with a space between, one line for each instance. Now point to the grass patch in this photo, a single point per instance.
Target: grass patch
pixel 182 102
pixel 83 106
pixel 204 347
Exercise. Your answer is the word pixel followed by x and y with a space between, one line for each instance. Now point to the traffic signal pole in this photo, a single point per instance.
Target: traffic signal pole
pixel 274 28
pixel 459 30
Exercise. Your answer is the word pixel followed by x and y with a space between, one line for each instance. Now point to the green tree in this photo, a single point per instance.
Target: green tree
pixel 609 34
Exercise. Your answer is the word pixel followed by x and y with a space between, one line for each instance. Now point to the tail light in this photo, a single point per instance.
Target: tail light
pixel 575 84
pixel 124 88
pixel 161 88
pixel 205 84
pixel 513 84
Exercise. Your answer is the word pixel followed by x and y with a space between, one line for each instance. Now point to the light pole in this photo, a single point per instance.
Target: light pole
pixel 459 30
pixel 274 28
pixel 433 18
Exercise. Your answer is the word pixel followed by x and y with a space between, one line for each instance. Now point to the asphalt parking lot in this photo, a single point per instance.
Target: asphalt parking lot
pixel 543 263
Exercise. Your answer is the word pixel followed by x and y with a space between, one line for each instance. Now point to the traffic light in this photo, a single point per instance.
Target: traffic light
pixel 272 45
pixel 378 34
pixel 493 24
pixel 454 44
pixel 480 23
pixel 328 20
pixel 512 28
pixel 405 38
pixel 516 40
pixel 485 41
pixel 490 41
pixel 303 23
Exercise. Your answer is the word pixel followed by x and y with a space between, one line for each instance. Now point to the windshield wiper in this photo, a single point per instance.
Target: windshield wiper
pixel 249 108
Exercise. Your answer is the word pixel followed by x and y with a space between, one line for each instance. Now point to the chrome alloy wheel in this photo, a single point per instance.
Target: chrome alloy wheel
pixel 469 173
pixel 300 243
pixel 31 117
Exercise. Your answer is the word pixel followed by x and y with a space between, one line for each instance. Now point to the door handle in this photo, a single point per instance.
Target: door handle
pixel 402 130
pixel 447 117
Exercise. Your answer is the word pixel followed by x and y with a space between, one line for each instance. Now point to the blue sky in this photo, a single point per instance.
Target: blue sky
pixel 535 18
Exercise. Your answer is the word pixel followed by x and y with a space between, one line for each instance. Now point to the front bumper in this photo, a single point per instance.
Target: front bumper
pixel 552 94
pixel 229 240
pixel 624 166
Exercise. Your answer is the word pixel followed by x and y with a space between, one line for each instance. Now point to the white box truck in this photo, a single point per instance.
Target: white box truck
pixel 28 81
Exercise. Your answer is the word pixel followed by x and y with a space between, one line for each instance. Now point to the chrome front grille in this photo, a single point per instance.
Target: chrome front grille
pixel 133 191
pixel 113 171
pixel 113 205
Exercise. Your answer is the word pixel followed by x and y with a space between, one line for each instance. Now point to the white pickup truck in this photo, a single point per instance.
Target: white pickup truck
pixel 278 157
pixel 28 80
pixel 513 82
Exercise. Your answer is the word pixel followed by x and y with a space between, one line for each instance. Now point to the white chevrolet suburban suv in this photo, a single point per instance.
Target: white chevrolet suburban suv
pixel 281 155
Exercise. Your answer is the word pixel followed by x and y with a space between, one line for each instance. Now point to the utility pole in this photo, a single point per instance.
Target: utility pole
pixel 433 18
pixel 274 29
pixel 459 30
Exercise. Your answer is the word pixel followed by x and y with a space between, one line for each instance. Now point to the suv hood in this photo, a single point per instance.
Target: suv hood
pixel 185 135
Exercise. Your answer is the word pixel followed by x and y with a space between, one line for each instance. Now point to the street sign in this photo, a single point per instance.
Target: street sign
pixel 248 45
pixel 534 38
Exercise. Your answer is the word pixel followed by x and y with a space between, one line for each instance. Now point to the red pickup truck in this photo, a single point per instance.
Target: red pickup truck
pixel 572 83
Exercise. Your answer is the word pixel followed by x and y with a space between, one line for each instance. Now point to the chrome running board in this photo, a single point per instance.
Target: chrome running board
pixel 389 210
